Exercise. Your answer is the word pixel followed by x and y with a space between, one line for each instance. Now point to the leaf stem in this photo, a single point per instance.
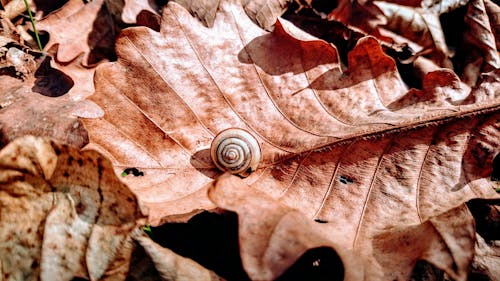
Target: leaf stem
pixel 33 24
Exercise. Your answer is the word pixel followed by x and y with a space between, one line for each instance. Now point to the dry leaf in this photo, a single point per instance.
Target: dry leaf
pixel 33 99
pixel 263 12
pixel 420 28
pixel 78 28
pixel 64 213
pixel 273 236
pixel 132 9
pixel 479 40
pixel 171 92
pixel 171 266
pixel 486 260
pixel 377 164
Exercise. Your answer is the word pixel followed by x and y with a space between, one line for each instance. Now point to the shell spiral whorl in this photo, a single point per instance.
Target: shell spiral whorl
pixel 235 151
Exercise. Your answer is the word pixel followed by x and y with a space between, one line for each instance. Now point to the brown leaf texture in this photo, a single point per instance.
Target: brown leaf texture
pixel 39 99
pixel 132 8
pixel 272 235
pixel 262 12
pixel 420 28
pixel 78 28
pixel 380 166
pixel 480 38
pixel 265 83
pixel 64 213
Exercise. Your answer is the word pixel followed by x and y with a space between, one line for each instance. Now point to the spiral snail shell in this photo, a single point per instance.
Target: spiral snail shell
pixel 235 151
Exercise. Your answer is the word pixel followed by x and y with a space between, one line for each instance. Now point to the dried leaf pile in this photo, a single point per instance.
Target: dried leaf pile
pixel 377 122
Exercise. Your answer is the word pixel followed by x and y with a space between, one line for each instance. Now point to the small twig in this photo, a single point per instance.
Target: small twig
pixel 33 24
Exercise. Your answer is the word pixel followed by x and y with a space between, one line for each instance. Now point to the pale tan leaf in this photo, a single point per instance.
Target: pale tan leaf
pixel 486 259
pixel 64 213
pixel 15 8
pixel 171 266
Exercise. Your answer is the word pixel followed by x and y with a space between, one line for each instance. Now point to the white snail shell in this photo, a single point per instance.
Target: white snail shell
pixel 235 151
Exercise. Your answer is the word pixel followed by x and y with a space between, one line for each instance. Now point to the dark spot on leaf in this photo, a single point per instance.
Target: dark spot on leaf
pixel 70 160
pixel 80 162
pixel 320 221
pixel 66 174
pixel 345 180
pixel 34 265
pixel 133 171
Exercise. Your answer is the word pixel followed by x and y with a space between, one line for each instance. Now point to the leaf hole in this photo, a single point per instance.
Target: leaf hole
pixel 345 180
pixel 133 171
pixel 320 221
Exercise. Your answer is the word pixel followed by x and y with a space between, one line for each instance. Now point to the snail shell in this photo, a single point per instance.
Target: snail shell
pixel 235 151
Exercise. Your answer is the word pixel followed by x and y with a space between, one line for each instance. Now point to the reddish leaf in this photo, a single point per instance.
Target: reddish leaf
pixel 356 150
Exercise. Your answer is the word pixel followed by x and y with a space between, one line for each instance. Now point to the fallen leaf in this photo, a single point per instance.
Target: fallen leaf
pixel 171 266
pixel 272 236
pixel 15 61
pixel 64 213
pixel 354 150
pixel 80 28
pixel 486 260
pixel 420 28
pixel 479 40
pixel 493 11
pixel 34 99
pixel 131 9
pixel 263 12
pixel 305 97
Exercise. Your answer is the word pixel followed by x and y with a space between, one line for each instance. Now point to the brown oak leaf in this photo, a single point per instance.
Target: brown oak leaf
pixel 479 41
pixel 132 9
pixel 38 99
pixel 263 12
pixel 64 213
pixel 80 28
pixel 165 263
pixel 272 236
pixel 355 150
